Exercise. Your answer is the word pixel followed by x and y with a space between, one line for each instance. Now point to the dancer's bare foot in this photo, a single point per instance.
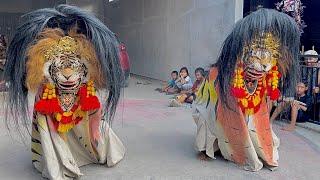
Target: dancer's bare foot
pixel 203 157
pixel 175 103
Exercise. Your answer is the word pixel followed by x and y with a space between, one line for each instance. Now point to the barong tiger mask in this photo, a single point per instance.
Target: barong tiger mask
pixel 63 65
pixel 263 51
pixel 64 57
pixel 256 73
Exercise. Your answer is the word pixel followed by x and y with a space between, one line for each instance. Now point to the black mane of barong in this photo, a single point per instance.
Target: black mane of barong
pixel 64 17
pixel 282 27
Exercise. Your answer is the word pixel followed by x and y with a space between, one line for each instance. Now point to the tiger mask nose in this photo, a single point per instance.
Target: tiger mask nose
pixel 67 72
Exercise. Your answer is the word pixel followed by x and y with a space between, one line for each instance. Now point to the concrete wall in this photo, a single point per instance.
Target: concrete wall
pixel 12 10
pixel 94 6
pixel 161 35
pixel 164 35
pixel 23 6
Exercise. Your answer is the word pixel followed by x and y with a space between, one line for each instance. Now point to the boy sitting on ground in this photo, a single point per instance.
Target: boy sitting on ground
pixel 300 108
pixel 171 84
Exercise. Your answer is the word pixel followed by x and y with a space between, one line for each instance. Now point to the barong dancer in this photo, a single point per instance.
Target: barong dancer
pixel 231 109
pixel 70 61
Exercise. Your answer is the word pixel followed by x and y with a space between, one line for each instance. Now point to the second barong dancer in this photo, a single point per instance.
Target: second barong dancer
pixel 231 111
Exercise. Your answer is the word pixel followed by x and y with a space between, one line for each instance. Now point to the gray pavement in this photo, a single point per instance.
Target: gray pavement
pixel 159 142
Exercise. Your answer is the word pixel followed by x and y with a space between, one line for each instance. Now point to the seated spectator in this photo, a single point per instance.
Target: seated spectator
pixel 171 84
pixel 184 82
pixel 300 107
pixel 188 96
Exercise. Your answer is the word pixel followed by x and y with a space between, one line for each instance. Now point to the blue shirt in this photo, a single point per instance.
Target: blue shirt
pixel 171 83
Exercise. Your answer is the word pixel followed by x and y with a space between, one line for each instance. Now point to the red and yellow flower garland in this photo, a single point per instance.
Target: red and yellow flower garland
pixel 64 121
pixel 267 85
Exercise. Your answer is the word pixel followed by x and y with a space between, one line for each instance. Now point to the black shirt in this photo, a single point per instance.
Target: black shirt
pixel 304 116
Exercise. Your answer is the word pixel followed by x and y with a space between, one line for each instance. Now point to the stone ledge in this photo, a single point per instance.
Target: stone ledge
pixel 306 125
pixel 310 126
